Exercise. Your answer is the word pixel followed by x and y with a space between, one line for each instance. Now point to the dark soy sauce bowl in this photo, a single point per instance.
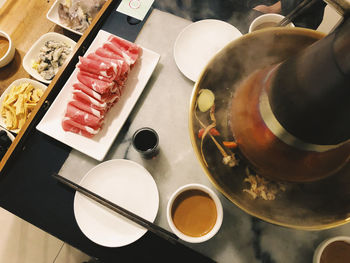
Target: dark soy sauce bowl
pixel 145 141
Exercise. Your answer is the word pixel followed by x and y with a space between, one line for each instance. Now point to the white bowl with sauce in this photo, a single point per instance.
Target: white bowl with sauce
pixel 194 213
pixel 7 49
pixel 333 250
pixel 265 21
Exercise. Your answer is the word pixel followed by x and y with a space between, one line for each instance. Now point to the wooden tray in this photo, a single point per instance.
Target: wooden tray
pixel 25 26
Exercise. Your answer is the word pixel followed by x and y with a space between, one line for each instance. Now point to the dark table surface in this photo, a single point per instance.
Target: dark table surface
pixel 28 190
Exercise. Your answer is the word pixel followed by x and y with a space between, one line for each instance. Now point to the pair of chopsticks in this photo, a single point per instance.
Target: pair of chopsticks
pixel 120 210
pixel 301 7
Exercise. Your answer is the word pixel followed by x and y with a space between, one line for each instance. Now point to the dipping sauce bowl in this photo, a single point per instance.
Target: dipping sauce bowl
pixel 265 21
pixel 7 49
pixel 194 213
pixel 333 250
pixel 145 141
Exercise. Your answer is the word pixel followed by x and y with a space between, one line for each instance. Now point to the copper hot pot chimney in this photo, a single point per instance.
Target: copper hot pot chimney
pixel 292 120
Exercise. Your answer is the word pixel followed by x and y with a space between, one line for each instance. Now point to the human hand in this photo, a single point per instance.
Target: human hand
pixel 275 8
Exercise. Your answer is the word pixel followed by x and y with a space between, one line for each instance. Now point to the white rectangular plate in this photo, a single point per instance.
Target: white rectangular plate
pixel 98 146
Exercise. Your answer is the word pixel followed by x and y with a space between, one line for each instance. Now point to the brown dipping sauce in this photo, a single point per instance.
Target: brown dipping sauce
pixel 194 213
pixel 336 252
pixel 264 25
pixel 4 46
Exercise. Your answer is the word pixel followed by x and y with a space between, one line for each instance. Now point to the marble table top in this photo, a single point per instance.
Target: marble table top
pixel 164 106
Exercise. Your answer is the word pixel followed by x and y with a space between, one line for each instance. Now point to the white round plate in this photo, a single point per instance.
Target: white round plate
pixel 199 42
pixel 126 184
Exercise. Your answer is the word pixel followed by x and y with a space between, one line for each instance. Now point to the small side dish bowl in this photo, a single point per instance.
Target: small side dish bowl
pixel 265 21
pixel 33 53
pixel 18 82
pixel 194 213
pixel 9 53
pixel 9 134
pixel 6 139
pixel 53 16
pixel 338 247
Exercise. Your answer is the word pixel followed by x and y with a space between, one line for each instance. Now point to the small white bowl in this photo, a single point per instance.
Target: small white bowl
pixel 53 16
pixel 18 82
pixel 267 18
pixel 319 250
pixel 9 134
pixel 219 211
pixel 34 52
pixel 7 58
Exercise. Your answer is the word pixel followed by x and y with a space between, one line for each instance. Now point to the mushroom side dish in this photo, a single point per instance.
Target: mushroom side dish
pixel 51 57
pixel 78 14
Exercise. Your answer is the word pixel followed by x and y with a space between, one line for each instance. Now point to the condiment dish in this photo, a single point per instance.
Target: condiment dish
pixel 34 51
pixel 10 53
pixel 53 16
pixel 18 82
pixel 321 247
pixel 216 220
pixel 266 20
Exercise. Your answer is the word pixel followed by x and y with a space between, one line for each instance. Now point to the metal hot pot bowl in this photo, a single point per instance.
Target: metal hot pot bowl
pixel 315 205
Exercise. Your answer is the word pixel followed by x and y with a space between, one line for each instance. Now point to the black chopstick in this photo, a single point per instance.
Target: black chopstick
pixel 301 7
pixel 120 210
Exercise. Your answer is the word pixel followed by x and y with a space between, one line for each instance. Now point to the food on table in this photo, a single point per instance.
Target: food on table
pixel 205 99
pixel 78 14
pixel 4 46
pixel 261 187
pixel 100 83
pixel 194 213
pixel 230 144
pixel 212 131
pixel 52 56
pixel 18 104
pixel 336 252
pixel 5 143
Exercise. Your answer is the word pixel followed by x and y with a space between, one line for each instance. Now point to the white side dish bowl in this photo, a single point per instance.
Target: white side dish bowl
pixel 219 212
pixel 18 82
pixel 34 51
pixel 53 16
pixel 320 249
pixel 9 134
pixel 267 18
pixel 7 58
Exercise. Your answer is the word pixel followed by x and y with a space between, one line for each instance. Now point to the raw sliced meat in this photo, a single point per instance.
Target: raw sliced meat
pixel 83 106
pixel 99 68
pixel 124 44
pixel 97 85
pixel 94 76
pixel 71 126
pixel 133 50
pixel 128 57
pixel 94 97
pixel 103 52
pixel 102 76
pixel 88 91
pixel 89 101
pixel 122 67
pixel 83 117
